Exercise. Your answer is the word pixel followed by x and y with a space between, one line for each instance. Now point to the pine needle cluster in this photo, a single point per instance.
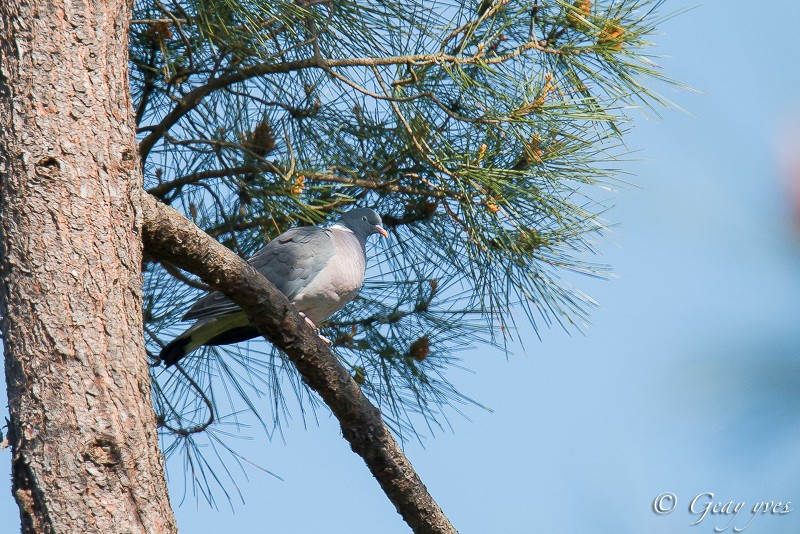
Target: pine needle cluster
pixel 476 130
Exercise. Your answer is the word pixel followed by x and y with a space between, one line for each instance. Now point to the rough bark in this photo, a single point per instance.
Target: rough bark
pixel 83 433
pixel 171 237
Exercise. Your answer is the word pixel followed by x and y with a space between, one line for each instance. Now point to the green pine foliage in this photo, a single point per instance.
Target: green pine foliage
pixel 475 129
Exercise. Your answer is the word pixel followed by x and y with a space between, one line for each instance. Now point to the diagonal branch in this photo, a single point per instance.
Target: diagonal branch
pixel 171 237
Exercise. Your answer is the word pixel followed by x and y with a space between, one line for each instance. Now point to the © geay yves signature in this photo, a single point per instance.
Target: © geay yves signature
pixel 705 504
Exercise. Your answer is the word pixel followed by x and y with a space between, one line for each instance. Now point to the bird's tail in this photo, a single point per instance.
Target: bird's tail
pixel 203 332
pixel 175 349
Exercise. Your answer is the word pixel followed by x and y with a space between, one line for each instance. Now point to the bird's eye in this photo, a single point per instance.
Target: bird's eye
pixel 364 218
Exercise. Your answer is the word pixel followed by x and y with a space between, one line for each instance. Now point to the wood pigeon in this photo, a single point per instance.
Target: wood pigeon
pixel 318 269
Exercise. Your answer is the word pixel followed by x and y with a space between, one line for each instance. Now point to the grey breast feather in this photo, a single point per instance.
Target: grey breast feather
pixel 339 282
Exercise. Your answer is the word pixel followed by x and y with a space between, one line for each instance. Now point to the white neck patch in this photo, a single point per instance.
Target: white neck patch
pixel 342 228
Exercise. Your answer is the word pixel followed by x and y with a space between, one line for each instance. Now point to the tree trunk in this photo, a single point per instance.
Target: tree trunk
pixel 85 454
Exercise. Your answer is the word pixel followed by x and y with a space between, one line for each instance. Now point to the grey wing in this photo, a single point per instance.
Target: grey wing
pixel 289 261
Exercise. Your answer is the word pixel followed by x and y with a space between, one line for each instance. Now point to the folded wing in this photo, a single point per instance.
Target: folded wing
pixel 290 262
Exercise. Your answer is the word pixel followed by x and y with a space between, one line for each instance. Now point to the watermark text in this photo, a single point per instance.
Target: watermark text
pixel 724 514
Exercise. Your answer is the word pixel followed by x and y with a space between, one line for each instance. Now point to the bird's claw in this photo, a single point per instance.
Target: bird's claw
pixel 310 323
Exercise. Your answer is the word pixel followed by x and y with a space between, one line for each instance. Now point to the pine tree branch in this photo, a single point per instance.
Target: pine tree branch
pixel 194 97
pixel 163 189
pixel 170 237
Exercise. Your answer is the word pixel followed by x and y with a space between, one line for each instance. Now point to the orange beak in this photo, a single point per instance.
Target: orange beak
pixel 381 231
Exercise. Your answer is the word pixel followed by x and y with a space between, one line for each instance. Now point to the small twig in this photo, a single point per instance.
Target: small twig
pixel 178 23
pixel 183 432
pixel 177 273
pixel 161 190
pixel 159 21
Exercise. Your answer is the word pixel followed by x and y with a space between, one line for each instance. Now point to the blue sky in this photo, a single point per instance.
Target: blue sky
pixel 688 380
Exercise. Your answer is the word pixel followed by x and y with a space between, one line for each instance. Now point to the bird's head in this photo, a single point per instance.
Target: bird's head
pixel 363 222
